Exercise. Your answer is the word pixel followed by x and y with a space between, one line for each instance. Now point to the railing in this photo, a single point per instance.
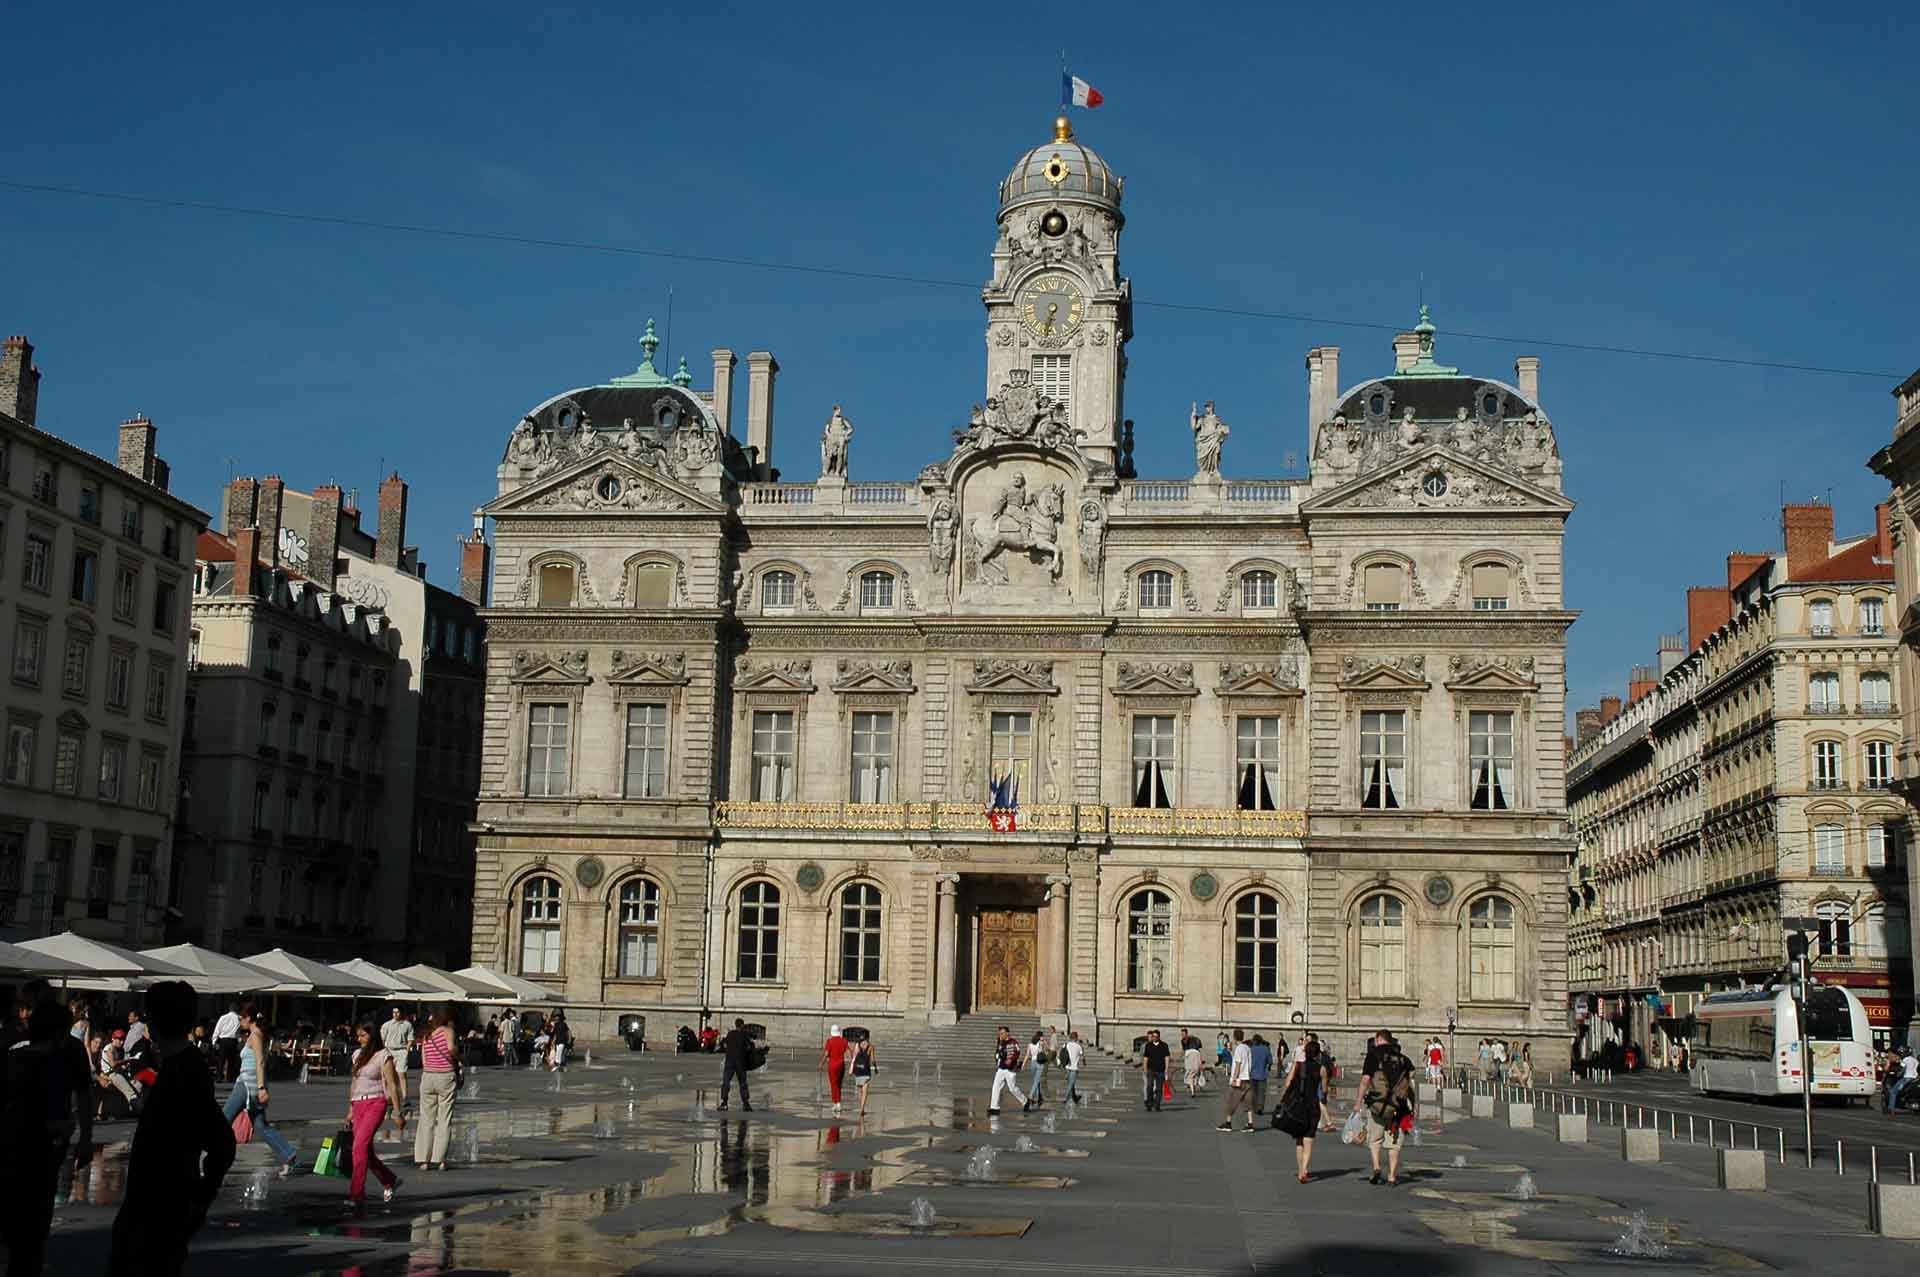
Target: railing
pixel 878 494
pixel 1156 491
pixel 1063 818
pixel 780 494
pixel 1259 490
pixel 1700 1127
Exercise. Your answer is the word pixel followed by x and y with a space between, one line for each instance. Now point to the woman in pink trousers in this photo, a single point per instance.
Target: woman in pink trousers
pixel 374 1086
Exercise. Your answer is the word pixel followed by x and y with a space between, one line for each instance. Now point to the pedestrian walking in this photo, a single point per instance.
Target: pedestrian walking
pixel 1036 1060
pixel 1006 1072
pixel 226 1042
pixel 1153 1062
pixel 1298 1110
pixel 737 1050
pixel 1192 1063
pixel 48 1094
pixel 372 1091
pixel 860 1068
pixel 1262 1069
pixel 1072 1052
pixel 440 1078
pixel 560 1046
pixel 1485 1059
pixel 1436 1061
pixel 1499 1053
pixel 1900 1078
pixel 1239 1082
pixel 1386 1091
pixel 833 1062
pixel 1522 1071
pixel 181 1151
pixel 249 1092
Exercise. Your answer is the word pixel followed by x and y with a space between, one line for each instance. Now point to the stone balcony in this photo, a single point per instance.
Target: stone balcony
pixel 1143 496
pixel 1095 819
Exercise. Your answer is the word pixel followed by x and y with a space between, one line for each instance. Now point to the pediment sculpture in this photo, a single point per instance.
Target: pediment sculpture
pixel 650 667
pixel 568 666
pixel 1020 413
pixel 1523 446
pixel 1134 677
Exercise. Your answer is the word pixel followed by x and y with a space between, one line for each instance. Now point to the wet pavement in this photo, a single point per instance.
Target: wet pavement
pixel 630 1165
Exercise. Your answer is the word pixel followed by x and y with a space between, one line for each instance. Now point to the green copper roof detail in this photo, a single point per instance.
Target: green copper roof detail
pixel 681 377
pixel 646 374
pixel 1423 365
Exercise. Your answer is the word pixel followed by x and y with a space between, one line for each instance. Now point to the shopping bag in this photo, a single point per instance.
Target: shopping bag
pixel 336 1155
pixel 243 1128
pixel 1355 1130
pixel 1166 1090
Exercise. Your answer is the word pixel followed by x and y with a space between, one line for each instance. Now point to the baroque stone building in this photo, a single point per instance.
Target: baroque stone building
pixel 1028 733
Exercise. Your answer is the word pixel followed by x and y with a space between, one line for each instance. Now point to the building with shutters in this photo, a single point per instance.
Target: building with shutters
pixel 1025 732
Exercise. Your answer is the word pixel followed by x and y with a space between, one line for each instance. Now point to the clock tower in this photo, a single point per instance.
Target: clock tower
pixel 1058 309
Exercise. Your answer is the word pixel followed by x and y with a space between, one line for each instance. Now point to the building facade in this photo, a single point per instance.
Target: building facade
pixel 1026 732
pixel 1752 784
pixel 94 581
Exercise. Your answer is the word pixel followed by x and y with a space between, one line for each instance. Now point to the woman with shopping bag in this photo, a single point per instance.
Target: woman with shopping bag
pixel 372 1091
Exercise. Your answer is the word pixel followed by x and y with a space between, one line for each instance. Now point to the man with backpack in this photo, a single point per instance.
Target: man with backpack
pixel 1386 1092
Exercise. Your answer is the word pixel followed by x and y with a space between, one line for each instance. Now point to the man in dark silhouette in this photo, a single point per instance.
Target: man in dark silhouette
pixel 48 1090
pixel 169 1187
pixel 737 1047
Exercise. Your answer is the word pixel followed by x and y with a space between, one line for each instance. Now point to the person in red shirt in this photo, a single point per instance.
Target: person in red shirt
pixel 833 1060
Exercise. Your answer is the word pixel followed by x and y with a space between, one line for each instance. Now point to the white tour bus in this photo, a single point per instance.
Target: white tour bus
pixel 1748 1043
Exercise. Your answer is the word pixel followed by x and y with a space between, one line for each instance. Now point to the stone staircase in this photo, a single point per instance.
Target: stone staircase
pixel 965 1050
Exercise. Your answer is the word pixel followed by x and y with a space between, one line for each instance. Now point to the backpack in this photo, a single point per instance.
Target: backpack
pixel 1392 1096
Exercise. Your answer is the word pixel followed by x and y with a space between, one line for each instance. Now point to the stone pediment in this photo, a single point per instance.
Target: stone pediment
pixel 990 675
pixel 1154 678
pixel 601 483
pixel 653 669
pixel 1384 674
pixel 1436 478
pixel 774 674
pixel 1259 678
pixel 894 677
pixel 1492 674
pixel 556 669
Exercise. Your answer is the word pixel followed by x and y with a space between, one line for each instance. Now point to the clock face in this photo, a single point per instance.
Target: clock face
pixel 1051 306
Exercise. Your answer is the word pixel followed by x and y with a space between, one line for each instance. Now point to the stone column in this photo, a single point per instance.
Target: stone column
pixel 1055 1000
pixel 946 949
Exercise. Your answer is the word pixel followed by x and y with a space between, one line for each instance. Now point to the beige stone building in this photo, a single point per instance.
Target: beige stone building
pixel 94 579
pixel 1751 783
pixel 1027 733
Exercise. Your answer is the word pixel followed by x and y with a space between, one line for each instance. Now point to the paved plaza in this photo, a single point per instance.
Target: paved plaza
pixel 628 1166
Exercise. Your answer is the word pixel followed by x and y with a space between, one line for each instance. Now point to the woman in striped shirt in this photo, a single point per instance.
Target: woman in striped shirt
pixel 440 1081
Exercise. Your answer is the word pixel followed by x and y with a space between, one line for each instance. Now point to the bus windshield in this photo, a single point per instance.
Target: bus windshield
pixel 1829 1018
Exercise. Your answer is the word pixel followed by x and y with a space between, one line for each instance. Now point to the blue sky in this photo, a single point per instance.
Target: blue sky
pixel 1734 181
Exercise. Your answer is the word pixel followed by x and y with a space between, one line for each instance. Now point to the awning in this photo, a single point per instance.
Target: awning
pixel 308 975
pixel 392 983
pixel 115 970
pixel 510 988
pixel 213 972
pixel 18 961
pixel 451 987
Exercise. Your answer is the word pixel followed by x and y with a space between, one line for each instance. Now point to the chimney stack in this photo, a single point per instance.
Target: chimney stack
pixel 1526 377
pixel 1609 709
pixel 761 370
pixel 246 560
pixel 476 562
pixel 1708 608
pixel 1672 651
pixel 1641 681
pixel 162 475
pixel 390 533
pixel 136 447
pixel 323 534
pixel 1882 533
pixel 1741 566
pixel 723 363
pixel 1586 725
pixel 1808 532
pixel 1406 349
pixel 243 496
pixel 19 381
pixel 267 518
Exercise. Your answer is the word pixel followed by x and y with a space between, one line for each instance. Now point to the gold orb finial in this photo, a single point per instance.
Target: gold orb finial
pixel 1062 129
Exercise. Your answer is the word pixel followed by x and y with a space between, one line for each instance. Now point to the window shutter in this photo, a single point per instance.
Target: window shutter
pixel 1489 581
pixel 1383 583
pixel 652 585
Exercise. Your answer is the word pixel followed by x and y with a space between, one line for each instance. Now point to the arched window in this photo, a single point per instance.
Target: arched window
pixel 759 938
pixel 860 934
pixel 1383 947
pixel 1879 764
pixel 640 929
pixel 1490 948
pixel 1149 942
pixel 1829 850
pixel 876 591
pixel 1385 587
pixel 776 591
pixel 1256 944
pixel 1491 587
pixel 1876 693
pixel 1259 591
pixel 1156 590
pixel 1826 764
pixel 1823 693
pixel 1820 616
pixel 1873 615
pixel 540 926
pixel 556 585
pixel 1836 929
pixel 653 585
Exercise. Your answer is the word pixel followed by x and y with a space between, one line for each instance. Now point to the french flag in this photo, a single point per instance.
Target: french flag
pixel 1075 91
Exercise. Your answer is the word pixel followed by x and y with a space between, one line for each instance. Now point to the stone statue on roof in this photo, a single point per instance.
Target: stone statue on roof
pixel 834 441
pixel 1209 435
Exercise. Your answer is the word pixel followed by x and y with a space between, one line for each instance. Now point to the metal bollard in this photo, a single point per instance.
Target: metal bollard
pixel 1840 1155
pixel 1873 1163
pixel 1756 1139
pixel 1673 1126
pixel 1783 1147
pixel 1910 1168
pixel 1690 1128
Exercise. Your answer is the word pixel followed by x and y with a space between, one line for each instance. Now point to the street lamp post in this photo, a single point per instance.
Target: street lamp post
pixel 1797 958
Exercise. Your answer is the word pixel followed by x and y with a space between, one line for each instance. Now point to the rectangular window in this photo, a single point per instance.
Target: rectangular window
pixel 876 591
pixel 296 732
pixel 1826 764
pixel 36 570
pixel 1490 761
pixel 1490 587
pixel 1053 377
pixel 772 748
pixel 548 743
pixel 149 781
pixel 872 780
pixel 113 766
pixel 159 682
pixel 100 879
pixel 29 651
pixel 86 574
pixel 1010 757
pixel 1829 849
pixel 1878 838
pixel 165 593
pixel 1257 762
pixel 73 670
pixel 1383 587
pixel 1820 617
pixel 1154 775
pixel 1879 764
pixel 1876 693
pixel 89 503
pixel 1383 758
pixel 126 591
pixel 20 741
pixel 66 764
pixel 262 796
pixel 131 524
pixel 119 679
pixel 1873 616
pixel 646 751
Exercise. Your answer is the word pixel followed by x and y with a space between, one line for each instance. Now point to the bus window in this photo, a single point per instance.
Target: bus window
pixel 1829 1019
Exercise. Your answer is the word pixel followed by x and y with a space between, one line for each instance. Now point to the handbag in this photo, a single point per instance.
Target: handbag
pixel 243 1127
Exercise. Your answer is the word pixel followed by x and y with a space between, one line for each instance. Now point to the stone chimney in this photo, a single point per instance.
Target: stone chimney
pixel 1317 392
pixel 762 368
pixel 136 447
pixel 1808 532
pixel 1882 532
pixel 266 517
pixel 391 532
pixel 1586 725
pixel 246 559
pixel 1640 682
pixel 1526 377
pixel 162 475
pixel 19 381
pixel 476 563
pixel 723 363
pixel 1708 608
pixel 1609 709
pixel 1406 349
pixel 323 534
pixel 243 496
pixel 1672 651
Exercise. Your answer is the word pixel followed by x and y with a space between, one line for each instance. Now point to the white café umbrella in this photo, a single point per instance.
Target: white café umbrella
pixel 447 985
pixel 16 961
pixel 214 972
pixel 296 974
pixel 114 970
pixel 512 989
pixel 392 983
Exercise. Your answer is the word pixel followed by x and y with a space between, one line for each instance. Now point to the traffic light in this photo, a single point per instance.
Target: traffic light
pixel 1796 946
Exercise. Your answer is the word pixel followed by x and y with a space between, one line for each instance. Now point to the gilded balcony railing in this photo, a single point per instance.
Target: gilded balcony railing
pixel 1038 818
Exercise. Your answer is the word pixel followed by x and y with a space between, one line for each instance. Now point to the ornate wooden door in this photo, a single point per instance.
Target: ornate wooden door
pixel 1009 944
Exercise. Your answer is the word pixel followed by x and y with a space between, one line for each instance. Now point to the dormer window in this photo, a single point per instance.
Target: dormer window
pixel 876 592
pixel 1156 591
pixel 1259 592
pixel 1820 617
pixel 776 592
pixel 1385 587
pixel 1492 587
pixel 556 585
